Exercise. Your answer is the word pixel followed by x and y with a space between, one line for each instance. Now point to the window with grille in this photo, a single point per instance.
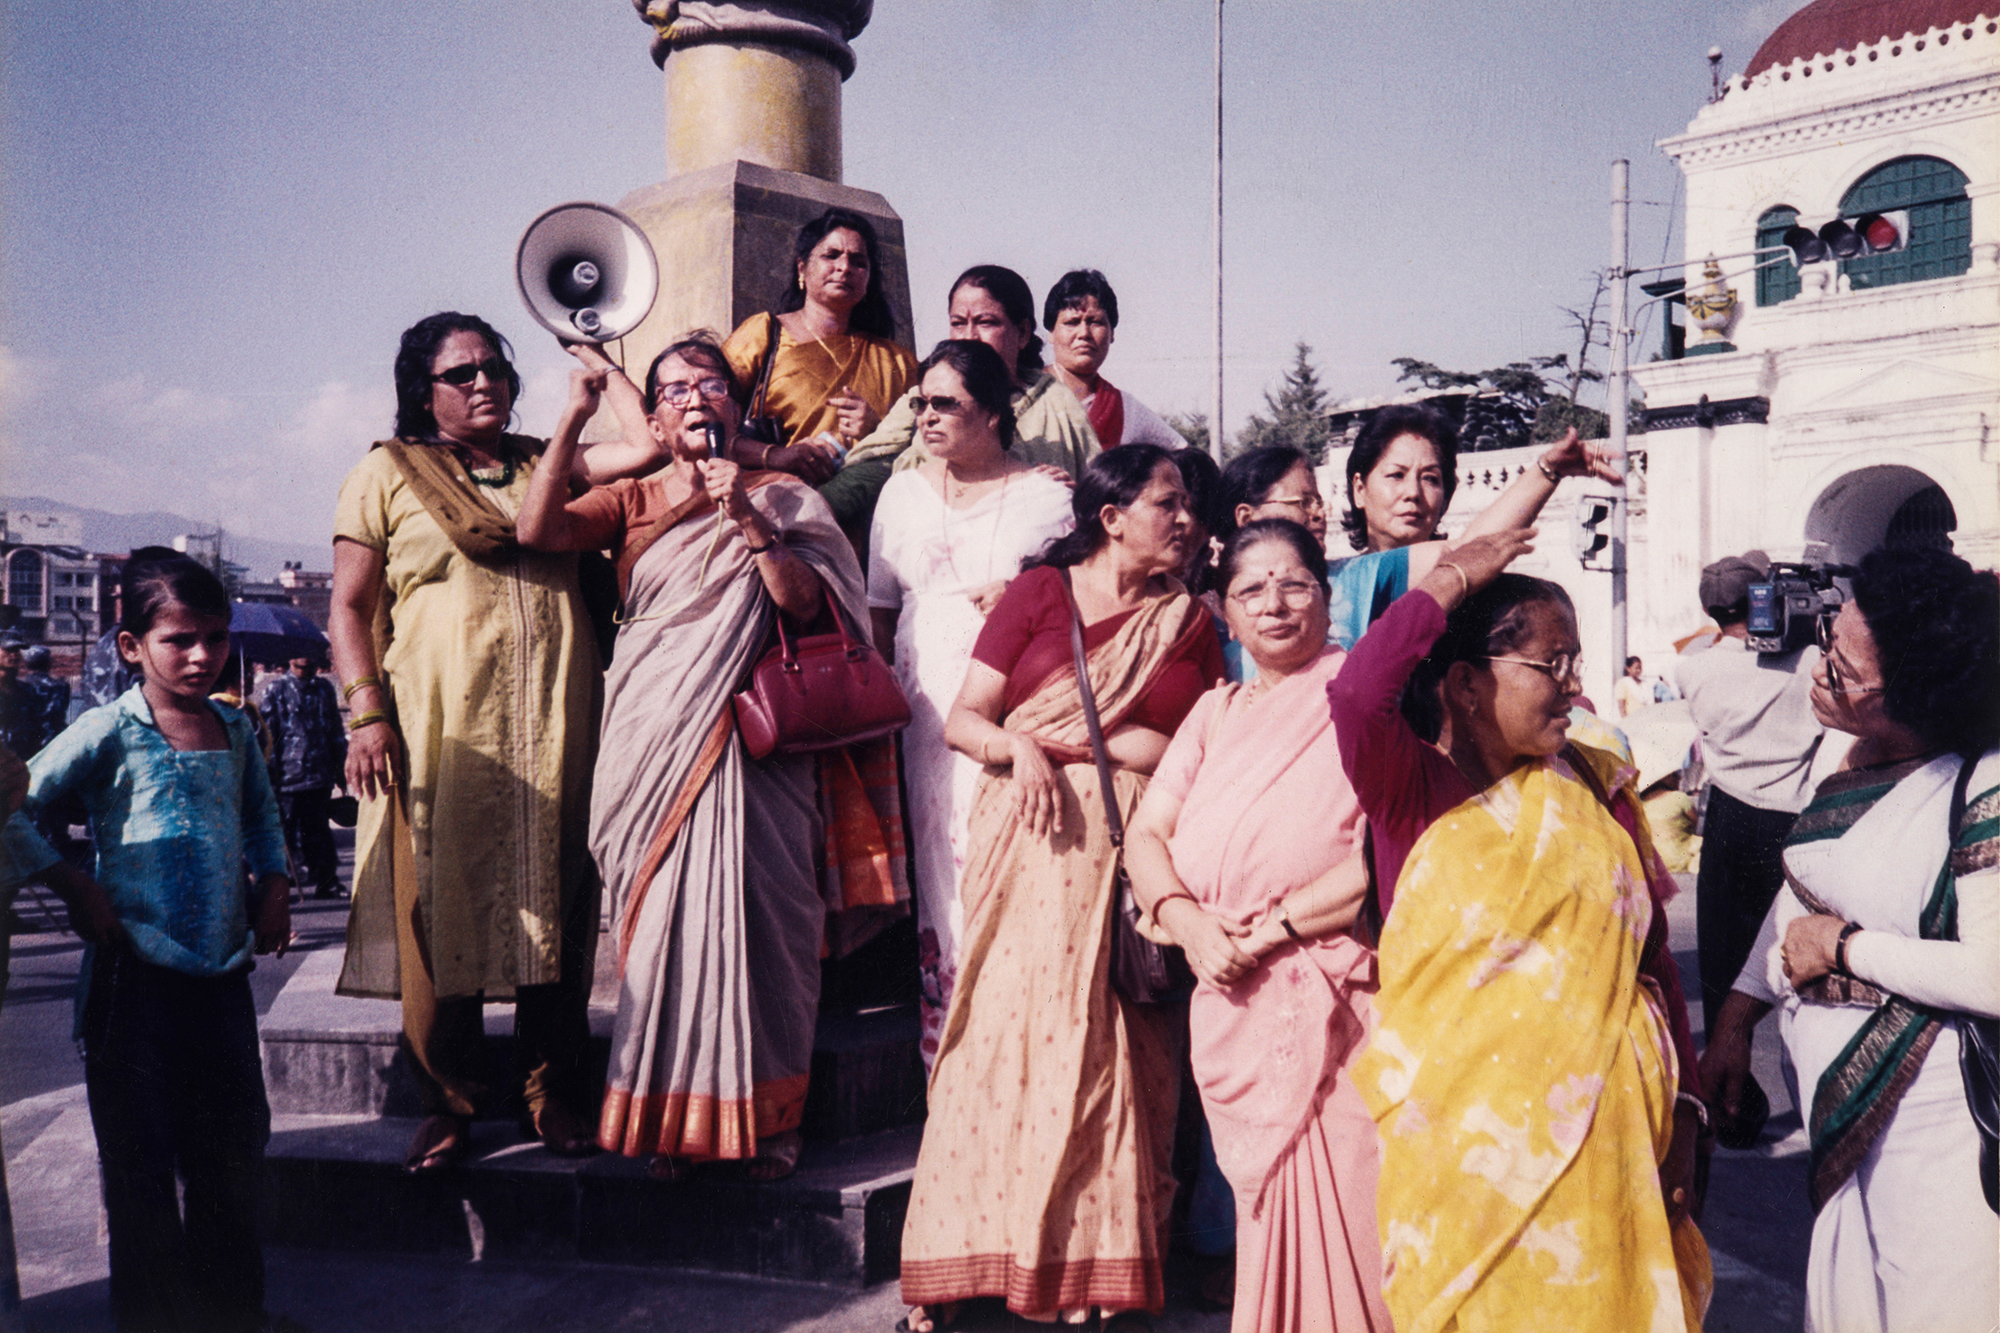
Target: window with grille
pixel 1779 281
pixel 1932 191
pixel 24 579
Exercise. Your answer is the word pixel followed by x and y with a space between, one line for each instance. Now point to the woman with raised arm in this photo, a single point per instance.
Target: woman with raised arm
pixel 1043 1177
pixel 709 855
pixel 947 539
pixel 1247 851
pixel 1531 1057
pixel 473 682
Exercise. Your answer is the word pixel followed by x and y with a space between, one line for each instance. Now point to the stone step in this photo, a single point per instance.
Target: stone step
pixel 337 1182
pixel 328 1054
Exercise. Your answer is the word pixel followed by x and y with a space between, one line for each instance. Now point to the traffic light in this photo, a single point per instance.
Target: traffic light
pixel 1849 238
pixel 1592 534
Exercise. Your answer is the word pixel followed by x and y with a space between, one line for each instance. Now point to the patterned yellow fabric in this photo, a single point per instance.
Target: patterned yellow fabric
pixel 1523 1076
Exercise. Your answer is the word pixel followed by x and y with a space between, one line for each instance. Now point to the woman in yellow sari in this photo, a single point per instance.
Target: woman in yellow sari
pixel 1531 1040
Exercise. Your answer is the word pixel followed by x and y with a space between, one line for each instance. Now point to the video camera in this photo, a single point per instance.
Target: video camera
pixel 1785 612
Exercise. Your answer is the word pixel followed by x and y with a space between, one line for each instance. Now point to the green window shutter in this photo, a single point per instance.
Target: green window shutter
pixel 1939 245
pixel 1779 281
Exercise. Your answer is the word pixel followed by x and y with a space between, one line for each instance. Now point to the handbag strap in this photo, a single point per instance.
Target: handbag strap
pixel 770 355
pixel 1097 751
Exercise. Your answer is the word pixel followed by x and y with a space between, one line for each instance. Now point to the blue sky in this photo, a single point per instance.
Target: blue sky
pixel 217 219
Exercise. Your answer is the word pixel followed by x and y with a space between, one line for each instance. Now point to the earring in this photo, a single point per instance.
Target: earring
pixel 802 282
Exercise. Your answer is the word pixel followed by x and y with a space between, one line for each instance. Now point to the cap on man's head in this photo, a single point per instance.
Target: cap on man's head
pixel 1725 585
pixel 10 641
pixel 37 658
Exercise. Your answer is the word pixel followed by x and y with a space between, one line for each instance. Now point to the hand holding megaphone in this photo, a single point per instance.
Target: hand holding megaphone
pixel 586 272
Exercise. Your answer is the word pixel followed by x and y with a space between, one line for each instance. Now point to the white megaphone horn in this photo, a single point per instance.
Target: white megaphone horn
pixel 587 272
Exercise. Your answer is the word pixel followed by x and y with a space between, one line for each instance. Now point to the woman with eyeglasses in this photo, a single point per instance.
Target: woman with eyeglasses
pixel 989 304
pixel 710 856
pixel 1883 952
pixel 1246 849
pixel 1043 1177
pixel 472 679
pixel 1531 1071
pixel 947 538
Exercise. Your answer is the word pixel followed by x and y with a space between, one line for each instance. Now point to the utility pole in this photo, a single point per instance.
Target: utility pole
pixel 1215 430
pixel 1621 260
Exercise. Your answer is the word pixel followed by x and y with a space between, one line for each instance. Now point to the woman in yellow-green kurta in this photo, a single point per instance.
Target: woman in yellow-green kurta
pixel 473 683
pixel 1531 1048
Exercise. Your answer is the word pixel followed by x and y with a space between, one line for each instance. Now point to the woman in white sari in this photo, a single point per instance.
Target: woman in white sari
pixel 948 537
pixel 710 856
pixel 1890 948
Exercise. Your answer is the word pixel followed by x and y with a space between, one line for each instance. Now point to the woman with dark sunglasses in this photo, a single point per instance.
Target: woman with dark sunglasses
pixel 472 677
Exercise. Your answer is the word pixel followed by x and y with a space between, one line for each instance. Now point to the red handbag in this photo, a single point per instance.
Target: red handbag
pixel 825 691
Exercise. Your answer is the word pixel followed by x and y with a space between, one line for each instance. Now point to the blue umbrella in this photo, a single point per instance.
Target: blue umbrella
pixel 273 632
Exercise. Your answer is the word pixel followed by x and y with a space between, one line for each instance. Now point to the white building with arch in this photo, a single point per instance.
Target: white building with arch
pixel 1842 403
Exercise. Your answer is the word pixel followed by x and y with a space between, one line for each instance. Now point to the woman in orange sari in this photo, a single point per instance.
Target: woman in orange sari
pixel 1043 1177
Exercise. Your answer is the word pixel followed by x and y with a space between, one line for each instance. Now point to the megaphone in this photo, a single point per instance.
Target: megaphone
pixel 586 272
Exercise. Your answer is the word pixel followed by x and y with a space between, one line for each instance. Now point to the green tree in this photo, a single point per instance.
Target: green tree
pixel 1297 415
pixel 1192 427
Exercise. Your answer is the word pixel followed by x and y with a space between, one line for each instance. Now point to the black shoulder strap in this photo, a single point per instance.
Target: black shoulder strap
pixel 1958 796
pixel 770 355
pixel 1097 750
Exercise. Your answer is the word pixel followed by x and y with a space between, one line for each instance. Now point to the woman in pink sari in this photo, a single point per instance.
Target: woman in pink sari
pixel 1245 851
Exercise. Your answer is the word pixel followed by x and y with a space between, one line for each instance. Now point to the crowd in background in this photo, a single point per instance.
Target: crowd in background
pixel 1445 1070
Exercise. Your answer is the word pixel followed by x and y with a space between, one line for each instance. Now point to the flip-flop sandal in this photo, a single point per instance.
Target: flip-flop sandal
pixel 558 1131
pixel 668 1169
pixel 941 1317
pixel 441 1142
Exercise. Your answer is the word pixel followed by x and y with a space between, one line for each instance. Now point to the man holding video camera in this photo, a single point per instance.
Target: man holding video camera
pixel 1753 711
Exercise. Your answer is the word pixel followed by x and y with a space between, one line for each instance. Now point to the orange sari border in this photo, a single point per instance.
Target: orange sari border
pixel 677 813
pixel 699 1126
pixel 1114 1284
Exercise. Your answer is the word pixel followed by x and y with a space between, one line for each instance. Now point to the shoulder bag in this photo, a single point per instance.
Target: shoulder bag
pixel 756 426
pixel 1141 971
pixel 822 692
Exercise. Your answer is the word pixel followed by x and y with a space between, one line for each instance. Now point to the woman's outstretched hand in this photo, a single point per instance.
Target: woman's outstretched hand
pixel 1213 946
pixel 1572 457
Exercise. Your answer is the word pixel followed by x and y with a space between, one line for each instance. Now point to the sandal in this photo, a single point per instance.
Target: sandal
pixel 929 1319
pixel 558 1130
pixel 441 1142
pixel 777 1157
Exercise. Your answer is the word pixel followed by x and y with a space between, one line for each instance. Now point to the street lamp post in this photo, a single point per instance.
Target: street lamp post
pixel 1621 258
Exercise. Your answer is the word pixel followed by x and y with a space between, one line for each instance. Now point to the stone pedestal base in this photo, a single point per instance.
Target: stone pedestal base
pixel 725 238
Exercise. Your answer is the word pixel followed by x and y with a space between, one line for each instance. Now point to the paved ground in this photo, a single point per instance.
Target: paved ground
pixel 1757 1222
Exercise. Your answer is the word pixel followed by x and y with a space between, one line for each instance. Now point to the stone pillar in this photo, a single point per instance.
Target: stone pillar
pixel 753 149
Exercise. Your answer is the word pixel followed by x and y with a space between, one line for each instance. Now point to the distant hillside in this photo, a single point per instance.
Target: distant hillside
pixel 121 532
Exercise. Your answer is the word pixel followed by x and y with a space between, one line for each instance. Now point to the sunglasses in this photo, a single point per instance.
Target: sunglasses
pixel 943 404
pixel 680 396
pixel 459 377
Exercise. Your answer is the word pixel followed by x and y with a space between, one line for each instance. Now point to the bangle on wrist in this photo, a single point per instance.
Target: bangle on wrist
pixel 1542 466
pixel 1285 920
pixel 367 719
pixel 765 549
pixel 1847 932
pixel 1464 580
pixel 359 683
pixel 1699 1107
pixel 764 459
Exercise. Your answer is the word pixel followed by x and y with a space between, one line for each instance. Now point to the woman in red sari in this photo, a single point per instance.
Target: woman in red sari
pixel 1043 1177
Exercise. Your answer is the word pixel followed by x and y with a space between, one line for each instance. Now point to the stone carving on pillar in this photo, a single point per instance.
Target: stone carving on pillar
pixel 753 152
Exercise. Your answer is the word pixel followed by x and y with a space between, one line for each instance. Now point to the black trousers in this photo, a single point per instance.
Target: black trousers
pixel 1739 877
pixel 309 833
pixel 175 1078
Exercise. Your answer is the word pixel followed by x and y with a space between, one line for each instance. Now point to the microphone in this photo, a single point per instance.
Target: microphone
pixel 714 433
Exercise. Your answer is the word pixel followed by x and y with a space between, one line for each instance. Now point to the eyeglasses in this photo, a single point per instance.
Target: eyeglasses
pixel 680 395
pixel 460 377
pixel 942 403
pixel 1309 504
pixel 1823 631
pixel 1564 669
pixel 1292 592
